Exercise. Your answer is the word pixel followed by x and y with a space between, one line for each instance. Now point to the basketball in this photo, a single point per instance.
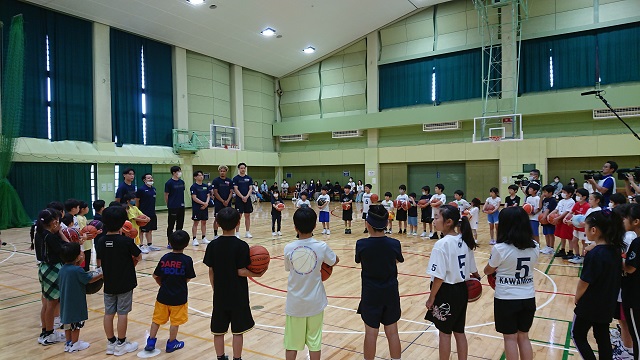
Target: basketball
pixel 391 215
pixel 72 235
pixel 454 204
pixel 423 202
pixel 128 230
pixel 321 202
pixel 489 207
pixel 491 278
pixel 346 206
pixel 405 205
pixel 280 207
pixel 528 208
pixel 143 222
pixel 395 204
pixel 259 259
pixel 567 219
pixel 96 223
pixel 135 260
pixel 474 287
pixel 576 220
pixel 466 213
pixel 553 217
pixel 543 219
pixel 434 202
pixel 325 271
pixel 94 287
pixel 90 230
pixel 374 198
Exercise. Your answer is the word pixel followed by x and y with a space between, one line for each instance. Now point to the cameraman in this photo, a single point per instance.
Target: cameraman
pixel 632 188
pixel 607 185
pixel 534 178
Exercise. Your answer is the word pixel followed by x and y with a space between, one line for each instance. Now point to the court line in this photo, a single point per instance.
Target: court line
pixel 12 253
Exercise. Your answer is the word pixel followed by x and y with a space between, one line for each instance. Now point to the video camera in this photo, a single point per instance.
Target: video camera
pixel 521 180
pixel 622 173
pixel 592 174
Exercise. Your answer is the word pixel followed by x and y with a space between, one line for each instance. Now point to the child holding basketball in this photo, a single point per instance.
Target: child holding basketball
pixel 227 258
pixel 306 297
pixel 302 201
pixel 366 203
pixel 492 209
pixel 597 290
pixel 173 272
pixel 276 215
pixel 388 205
pixel 579 208
pixel 425 212
pixel 347 210
pixel 631 280
pixel 134 214
pixel 438 199
pixel 401 214
pixel 380 297
pixel 556 217
pixel 474 216
pixel 412 215
pixel 450 264
pixel 73 297
pixel 513 259
pixel 534 200
pixel 548 203
pixel 323 206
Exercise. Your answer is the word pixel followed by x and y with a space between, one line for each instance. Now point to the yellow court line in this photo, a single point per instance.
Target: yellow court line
pixel 194 336
pixel 16 289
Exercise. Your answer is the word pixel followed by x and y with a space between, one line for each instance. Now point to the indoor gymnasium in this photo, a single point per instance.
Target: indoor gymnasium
pixel 373 179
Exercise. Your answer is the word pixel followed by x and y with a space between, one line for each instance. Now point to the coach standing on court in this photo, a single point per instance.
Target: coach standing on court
pixel 174 198
pixel 607 185
pixel 242 185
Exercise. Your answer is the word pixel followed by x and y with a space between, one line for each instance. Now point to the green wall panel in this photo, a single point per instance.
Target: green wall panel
pixel 323 141
pixel 480 177
pixel 391 176
pixel 452 176
pixel 333 173
pixel 259 113
pixel 208 90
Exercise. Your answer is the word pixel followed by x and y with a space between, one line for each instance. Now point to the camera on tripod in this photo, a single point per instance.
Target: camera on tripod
pixel 622 173
pixel 592 174
pixel 521 180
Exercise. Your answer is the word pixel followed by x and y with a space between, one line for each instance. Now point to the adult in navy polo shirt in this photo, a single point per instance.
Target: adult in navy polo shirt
pixel 222 193
pixel 146 202
pixel 127 186
pixel 607 185
pixel 242 186
pixel 174 198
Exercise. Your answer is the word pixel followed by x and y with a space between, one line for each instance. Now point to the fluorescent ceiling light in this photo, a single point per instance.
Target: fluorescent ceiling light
pixel 309 50
pixel 268 32
pixel 195 2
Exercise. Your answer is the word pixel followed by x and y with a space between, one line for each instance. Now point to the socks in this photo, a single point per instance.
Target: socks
pixel 203 236
pixel 112 340
pixel 215 232
pixel 122 341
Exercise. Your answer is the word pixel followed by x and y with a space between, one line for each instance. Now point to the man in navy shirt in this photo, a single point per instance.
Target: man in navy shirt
pixel 174 198
pixel 200 207
pixel 146 202
pixel 222 194
pixel 242 185
pixel 127 186
pixel 607 185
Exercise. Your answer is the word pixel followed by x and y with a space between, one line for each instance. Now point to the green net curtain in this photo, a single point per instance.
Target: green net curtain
pixel 406 83
pixel 159 91
pixel 458 76
pixel 619 53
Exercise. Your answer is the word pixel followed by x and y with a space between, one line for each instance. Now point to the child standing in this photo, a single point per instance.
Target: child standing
pixel 347 214
pixel 462 204
pixel 548 204
pixel 512 260
pixel 425 212
pixel 323 205
pixel 579 208
pixel 534 200
pixel 302 201
pixel 73 296
pixel 98 207
pixel 450 264
pixel 380 298
pixel 599 282
pixel 227 258
pixel 134 214
pixel 366 203
pixel 563 231
pixel 276 215
pixel 512 199
pixel 87 245
pixel 401 214
pixel 474 216
pixel 118 256
pixel 412 215
pixel 388 205
pixel 172 273
pixel 492 215
pixel 631 280
pixel 441 200
pixel 200 198
pixel 306 297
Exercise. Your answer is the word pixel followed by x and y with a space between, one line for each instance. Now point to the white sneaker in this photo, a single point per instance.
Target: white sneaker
pixel 54 338
pixel 125 347
pixel 431 234
pixel 248 235
pixel 153 248
pixel 144 249
pixel 238 235
pixel 324 231
pixel 424 234
pixel 67 346
pixel 57 324
pixel 274 234
pixel 415 233
pixel 328 232
pixel 111 347
pixel 492 242
pixel 195 242
pixel 79 346
pixel 205 240
pixel 279 233
pixel 215 237
pixel 549 250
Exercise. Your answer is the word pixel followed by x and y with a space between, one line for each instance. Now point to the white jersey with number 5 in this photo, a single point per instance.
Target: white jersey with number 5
pixel 366 202
pixel 451 260
pixel 515 271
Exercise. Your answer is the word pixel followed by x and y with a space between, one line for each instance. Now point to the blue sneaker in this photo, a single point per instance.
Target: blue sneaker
pixel 169 247
pixel 151 344
pixel 174 345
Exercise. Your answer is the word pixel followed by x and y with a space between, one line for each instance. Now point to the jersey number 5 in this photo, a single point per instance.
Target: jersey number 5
pixel 522 266
pixel 462 263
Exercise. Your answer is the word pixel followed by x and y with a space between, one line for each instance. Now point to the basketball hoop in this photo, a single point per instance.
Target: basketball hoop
pixel 495 138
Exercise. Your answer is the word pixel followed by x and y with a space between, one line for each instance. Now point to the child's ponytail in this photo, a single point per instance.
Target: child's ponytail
pixel 467 233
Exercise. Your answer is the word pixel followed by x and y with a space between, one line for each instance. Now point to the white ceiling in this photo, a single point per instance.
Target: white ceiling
pixel 231 32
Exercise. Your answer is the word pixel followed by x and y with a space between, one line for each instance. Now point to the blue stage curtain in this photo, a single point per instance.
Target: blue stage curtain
pixel 159 93
pixel 459 76
pixel 619 53
pixel 406 83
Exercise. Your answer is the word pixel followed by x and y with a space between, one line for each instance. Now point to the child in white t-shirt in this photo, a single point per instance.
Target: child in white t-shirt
pixel 438 199
pixel 323 207
pixel 401 214
pixel 492 215
pixel 474 215
pixel 303 201
pixel 388 205
pixel 366 203
pixel 534 200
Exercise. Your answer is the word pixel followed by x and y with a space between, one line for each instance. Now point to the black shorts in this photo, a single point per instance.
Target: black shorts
pixel 347 215
pixel 374 315
pixel 618 312
pixel 151 225
pixel 244 207
pixel 425 217
pixel 219 206
pixel 364 216
pixel 512 316
pixel 401 215
pixel 198 214
pixel 240 319
pixel 449 312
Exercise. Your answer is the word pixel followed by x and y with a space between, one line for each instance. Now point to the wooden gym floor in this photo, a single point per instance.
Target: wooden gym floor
pixel 343 329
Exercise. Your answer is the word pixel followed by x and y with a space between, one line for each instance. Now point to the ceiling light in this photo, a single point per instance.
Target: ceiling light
pixel 268 32
pixel 309 50
pixel 195 2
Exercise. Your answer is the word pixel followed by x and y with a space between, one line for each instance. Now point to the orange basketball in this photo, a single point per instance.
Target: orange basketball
pixel 128 230
pixel 434 202
pixel 423 202
pixel 346 206
pixel 454 204
pixel 474 287
pixel 90 230
pixel 133 233
pixel 143 222
pixel 325 271
pixel 489 207
pixel 391 215
pixel 404 205
pixel 543 219
pixel 491 278
pixel 528 208
pixel 280 207
pixel 553 217
pixel 567 220
pixel 72 235
pixel 466 213
pixel 374 198
pixel 396 204
pixel 259 259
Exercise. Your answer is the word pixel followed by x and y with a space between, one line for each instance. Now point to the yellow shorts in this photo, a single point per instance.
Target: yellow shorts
pixel 299 331
pixel 178 314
